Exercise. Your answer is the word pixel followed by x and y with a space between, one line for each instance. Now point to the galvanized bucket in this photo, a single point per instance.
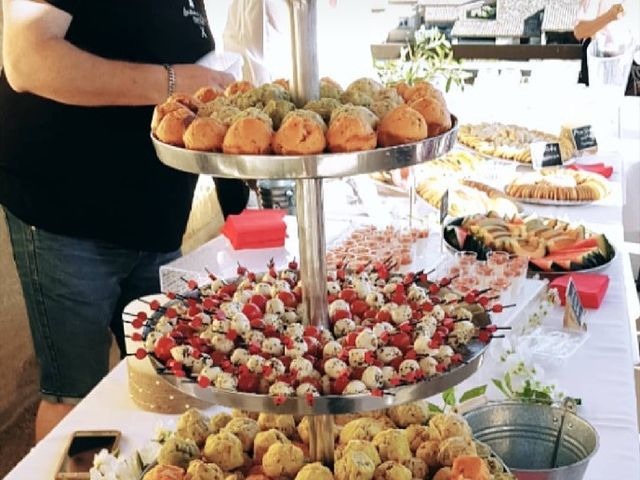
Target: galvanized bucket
pixel 278 194
pixel 537 442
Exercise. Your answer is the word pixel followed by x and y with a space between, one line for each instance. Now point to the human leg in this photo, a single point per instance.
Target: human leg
pixel 144 279
pixel 71 287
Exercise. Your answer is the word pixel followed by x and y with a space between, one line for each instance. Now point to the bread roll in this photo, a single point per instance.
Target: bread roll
pixel 350 133
pixel 207 94
pixel 401 125
pixel 248 135
pixel 161 110
pixel 173 126
pixel 434 113
pixel 205 134
pixel 419 90
pixel 188 101
pixel 329 88
pixel 238 87
pixel 283 82
pixel 302 133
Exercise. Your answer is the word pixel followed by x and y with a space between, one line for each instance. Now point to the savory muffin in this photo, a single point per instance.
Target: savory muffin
pixel 173 125
pixel 314 471
pixel 245 429
pixel 410 414
pixel 207 94
pixel 193 425
pixel 163 109
pixel 238 87
pixel 219 421
pixel 364 85
pixel 188 101
pixel 302 133
pixel 323 107
pixel 393 445
pixel 360 429
pixel 355 466
pixel 199 470
pixel 285 423
pixel 283 460
pixel 250 133
pixel 225 450
pixel 392 471
pixel 329 88
pixel 418 90
pixel 178 451
pixel 264 440
pixel 277 110
pixel 419 468
pixel 428 452
pixel 164 472
pixel 205 134
pixel 365 447
pixel 364 113
pixel 434 113
pixel 416 434
pixel 454 447
pixel 402 125
pixel 443 426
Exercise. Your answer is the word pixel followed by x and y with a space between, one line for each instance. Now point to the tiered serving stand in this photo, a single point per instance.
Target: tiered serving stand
pixel 309 172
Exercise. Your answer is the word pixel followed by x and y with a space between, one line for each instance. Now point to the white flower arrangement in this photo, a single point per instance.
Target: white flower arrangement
pixel 107 466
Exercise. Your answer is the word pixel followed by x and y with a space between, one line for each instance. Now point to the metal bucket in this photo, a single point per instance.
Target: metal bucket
pixel 525 437
pixel 278 194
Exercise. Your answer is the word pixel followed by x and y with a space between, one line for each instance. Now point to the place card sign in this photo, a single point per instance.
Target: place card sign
pixel 444 206
pixel 573 309
pixel 545 154
pixel 583 138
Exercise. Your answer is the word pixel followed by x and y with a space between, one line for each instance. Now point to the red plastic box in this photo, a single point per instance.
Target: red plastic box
pixel 591 287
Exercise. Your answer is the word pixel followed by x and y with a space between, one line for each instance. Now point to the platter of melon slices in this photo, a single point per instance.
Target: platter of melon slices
pixel 552 246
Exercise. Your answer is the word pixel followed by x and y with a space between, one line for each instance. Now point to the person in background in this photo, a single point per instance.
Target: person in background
pixel 614 28
pixel 91 211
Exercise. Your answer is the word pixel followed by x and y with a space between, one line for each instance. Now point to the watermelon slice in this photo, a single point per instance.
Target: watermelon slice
pixel 542 263
pixel 461 235
pixel 588 242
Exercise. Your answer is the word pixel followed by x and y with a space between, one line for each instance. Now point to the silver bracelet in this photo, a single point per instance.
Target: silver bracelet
pixel 171 77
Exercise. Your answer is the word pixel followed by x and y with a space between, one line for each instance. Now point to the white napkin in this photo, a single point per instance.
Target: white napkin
pixel 227 62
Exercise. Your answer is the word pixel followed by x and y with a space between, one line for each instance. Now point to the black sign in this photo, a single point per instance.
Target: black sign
pixel 583 138
pixel 444 206
pixel 574 303
pixel 545 154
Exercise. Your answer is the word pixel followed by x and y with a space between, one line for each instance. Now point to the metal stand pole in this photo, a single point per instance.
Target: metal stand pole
pixel 305 86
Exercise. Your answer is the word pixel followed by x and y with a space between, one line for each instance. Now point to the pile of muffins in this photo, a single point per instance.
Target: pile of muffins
pixel 248 120
pixel 401 443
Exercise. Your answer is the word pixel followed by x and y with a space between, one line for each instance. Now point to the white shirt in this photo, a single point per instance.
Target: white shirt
pixel 618 35
pixel 259 31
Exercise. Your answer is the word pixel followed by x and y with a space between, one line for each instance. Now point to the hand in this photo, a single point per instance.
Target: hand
pixel 189 78
pixel 616 11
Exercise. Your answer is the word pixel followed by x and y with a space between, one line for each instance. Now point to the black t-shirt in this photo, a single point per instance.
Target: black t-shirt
pixel 92 172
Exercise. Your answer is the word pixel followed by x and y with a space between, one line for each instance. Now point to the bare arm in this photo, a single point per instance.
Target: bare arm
pixel 39 60
pixel 588 28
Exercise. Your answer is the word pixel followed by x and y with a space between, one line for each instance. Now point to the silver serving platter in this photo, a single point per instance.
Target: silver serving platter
pixel 326 165
pixel 552 203
pixel 329 404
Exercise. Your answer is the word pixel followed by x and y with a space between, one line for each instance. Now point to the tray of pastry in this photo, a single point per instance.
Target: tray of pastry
pixel 257 132
pixel 559 187
pixel 398 443
pixel 243 342
pixel 510 142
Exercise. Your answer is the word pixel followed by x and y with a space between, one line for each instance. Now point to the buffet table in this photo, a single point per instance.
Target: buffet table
pixel 600 373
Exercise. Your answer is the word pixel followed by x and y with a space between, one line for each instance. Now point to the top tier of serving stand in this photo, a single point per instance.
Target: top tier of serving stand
pixel 309 172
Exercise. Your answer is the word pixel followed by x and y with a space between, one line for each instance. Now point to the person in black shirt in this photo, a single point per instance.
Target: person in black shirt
pixel 91 212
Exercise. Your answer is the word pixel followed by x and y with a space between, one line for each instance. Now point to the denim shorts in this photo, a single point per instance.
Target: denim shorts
pixel 75 290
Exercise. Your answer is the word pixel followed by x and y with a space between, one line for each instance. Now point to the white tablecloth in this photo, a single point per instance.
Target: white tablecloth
pixel 600 373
